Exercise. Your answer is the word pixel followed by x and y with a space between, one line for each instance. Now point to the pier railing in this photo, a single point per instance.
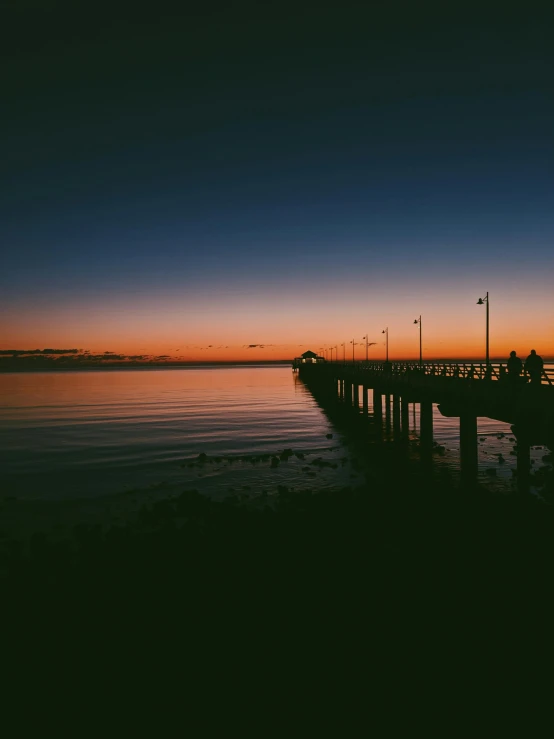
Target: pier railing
pixel 495 371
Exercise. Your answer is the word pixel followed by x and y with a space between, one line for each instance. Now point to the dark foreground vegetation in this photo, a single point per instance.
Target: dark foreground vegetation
pixel 356 590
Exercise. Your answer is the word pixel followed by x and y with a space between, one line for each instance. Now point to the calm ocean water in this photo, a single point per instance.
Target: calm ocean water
pixel 92 434
pixel 99 433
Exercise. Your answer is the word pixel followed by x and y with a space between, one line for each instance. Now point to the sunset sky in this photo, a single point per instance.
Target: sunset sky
pixel 249 185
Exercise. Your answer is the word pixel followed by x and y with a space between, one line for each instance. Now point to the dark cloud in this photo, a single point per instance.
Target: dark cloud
pixel 17 352
pixel 65 356
pixel 106 355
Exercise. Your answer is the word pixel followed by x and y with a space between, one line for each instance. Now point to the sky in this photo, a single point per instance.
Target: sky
pixel 247 183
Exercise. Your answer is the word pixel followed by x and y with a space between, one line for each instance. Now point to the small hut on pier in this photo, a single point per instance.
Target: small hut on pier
pixel 307 358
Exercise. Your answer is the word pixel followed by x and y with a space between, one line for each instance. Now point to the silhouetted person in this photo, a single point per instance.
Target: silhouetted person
pixel 515 366
pixel 533 365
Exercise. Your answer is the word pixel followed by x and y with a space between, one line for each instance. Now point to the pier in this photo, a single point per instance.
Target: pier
pixel 461 390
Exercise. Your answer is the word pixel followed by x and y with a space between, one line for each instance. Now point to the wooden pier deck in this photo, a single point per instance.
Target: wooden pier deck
pixel 462 390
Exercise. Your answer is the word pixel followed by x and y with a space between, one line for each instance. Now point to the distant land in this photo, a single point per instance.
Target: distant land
pixel 47 359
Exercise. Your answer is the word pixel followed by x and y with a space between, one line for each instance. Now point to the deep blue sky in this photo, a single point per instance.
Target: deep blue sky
pixel 256 153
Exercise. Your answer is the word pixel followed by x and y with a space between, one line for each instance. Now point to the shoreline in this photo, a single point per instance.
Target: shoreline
pixel 393 566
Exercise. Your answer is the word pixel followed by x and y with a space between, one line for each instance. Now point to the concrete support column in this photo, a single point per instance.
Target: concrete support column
pixel 347 393
pixel 387 411
pixel 378 410
pixel 356 401
pixel 364 400
pixel 396 415
pixel 405 410
pixel 426 422
pixel 468 448
pixel 426 431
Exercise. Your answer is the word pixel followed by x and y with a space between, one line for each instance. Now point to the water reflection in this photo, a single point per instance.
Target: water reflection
pixel 72 434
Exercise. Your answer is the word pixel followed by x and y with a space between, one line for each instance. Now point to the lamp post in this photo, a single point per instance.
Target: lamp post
pixel 480 302
pixel 337 353
pixel 386 331
pixel 344 351
pixel 353 345
pixel 418 320
pixel 368 343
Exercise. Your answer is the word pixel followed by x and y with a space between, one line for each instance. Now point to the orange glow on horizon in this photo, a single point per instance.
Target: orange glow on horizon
pixel 469 350
pixel 280 326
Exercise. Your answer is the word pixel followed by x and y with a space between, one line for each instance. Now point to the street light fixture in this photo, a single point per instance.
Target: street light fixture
pixel 386 331
pixel 481 301
pixel 418 320
pixel 344 351
pixel 368 343
pixel 353 345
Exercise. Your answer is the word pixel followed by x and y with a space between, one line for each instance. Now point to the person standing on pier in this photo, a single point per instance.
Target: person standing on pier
pixel 515 366
pixel 533 366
